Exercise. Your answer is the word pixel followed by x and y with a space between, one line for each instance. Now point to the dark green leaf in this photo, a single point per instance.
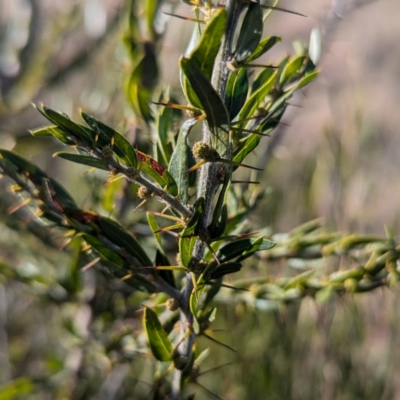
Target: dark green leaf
pixel 106 253
pixel 265 45
pixel 188 237
pixel 36 176
pixel 157 172
pixel 178 165
pixel 206 50
pixel 66 124
pixel 225 269
pixel 250 32
pixel 211 103
pixel 81 159
pixel 118 235
pixel 160 345
pixel 242 247
pixel 256 99
pixel 236 92
pixel 109 137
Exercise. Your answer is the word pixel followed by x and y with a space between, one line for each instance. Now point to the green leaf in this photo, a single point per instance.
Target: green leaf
pixel 264 46
pixel 160 345
pixel 250 33
pixel 82 159
pixel 142 81
pixel 118 235
pixel 157 172
pixel 66 124
pixel 58 133
pixel 154 228
pixel 211 103
pixel 150 11
pixel 256 99
pixel 207 49
pixel 106 253
pixel 178 165
pixel 225 269
pixel 166 121
pixel 246 147
pixel 292 69
pixel 188 236
pixel 307 79
pixel 236 92
pixel 109 137
pixel 36 176
pixel 262 77
pixel 194 304
pixel 243 247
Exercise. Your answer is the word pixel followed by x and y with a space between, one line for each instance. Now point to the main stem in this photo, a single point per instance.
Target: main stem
pixel 208 185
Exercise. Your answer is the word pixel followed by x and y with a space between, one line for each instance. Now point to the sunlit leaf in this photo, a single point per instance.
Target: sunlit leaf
pixel 66 124
pixel 264 46
pixel 109 137
pixel 206 50
pixel 211 103
pixel 157 172
pixel 160 345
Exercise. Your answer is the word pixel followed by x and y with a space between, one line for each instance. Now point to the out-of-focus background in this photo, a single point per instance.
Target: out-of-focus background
pixel 335 157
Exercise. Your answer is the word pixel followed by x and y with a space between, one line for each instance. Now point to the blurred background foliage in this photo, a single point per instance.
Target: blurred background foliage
pixel 68 334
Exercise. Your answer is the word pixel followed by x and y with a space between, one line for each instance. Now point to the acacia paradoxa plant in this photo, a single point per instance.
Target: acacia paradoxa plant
pixel 237 102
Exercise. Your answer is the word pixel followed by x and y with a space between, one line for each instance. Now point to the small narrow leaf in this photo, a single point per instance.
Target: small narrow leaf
pixel 206 50
pixel 211 103
pixel 256 99
pixel 178 165
pixel 58 133
pixel 239 247
pixel 160 345
pixel 118 235
pixel 82 159
pixel 250 32
pixel 109 137
pixel 236 92
pixel 66 124
pixel 225 269
pixel 37 177
pixel 154 228
pixel 264 46
pixel 157 172
pixel 188 237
